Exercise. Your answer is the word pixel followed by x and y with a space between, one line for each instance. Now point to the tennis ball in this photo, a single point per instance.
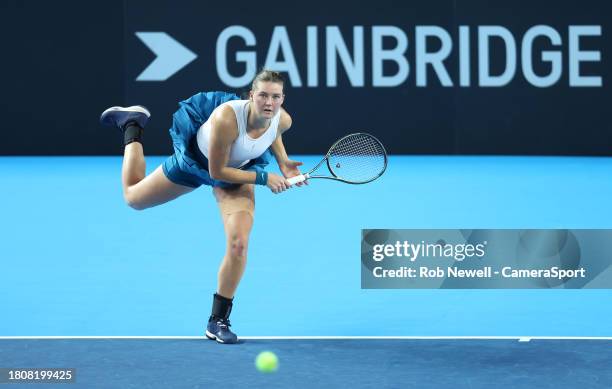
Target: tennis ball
pixel 266 362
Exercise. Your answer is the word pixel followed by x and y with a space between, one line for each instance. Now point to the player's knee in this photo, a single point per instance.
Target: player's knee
pixel 237 247
pixel 133 201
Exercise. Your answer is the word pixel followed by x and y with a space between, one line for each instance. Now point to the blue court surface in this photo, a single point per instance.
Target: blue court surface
pixel 77 262
pixel 371 363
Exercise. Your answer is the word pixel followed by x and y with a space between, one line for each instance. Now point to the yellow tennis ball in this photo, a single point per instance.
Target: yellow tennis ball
pixel 266 362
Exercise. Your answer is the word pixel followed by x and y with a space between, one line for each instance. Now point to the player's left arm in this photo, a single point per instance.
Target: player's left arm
pixel 288 167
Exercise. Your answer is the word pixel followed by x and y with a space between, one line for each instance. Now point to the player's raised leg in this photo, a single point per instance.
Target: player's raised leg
pixel 140 192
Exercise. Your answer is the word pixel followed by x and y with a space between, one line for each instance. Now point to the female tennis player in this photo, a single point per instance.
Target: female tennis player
pixel 219 141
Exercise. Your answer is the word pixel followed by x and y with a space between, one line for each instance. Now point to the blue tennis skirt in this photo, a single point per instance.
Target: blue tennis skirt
pixel 188 166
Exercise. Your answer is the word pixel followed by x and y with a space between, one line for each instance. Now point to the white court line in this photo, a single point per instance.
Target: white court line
pixel 524 339
pixel 519 338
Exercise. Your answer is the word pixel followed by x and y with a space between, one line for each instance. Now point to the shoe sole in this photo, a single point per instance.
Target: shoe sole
pixel 134 108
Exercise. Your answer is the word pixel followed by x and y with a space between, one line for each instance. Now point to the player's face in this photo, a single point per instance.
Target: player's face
pixel 268 98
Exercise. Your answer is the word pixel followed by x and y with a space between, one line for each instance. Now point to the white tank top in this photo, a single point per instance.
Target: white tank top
pixel 244 147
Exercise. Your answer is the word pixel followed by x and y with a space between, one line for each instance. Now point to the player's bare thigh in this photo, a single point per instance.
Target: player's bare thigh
pixel 235 200
pixel 154 189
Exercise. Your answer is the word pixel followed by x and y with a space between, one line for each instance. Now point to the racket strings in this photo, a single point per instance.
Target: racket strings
pixel 358 158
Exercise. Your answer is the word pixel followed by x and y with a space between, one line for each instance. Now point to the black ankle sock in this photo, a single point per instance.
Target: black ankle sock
pixel 132 133
pixel 222 307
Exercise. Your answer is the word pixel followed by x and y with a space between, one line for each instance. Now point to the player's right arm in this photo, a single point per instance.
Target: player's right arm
pixel 224 131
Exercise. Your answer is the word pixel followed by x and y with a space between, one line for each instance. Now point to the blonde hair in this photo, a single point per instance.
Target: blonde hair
pixel 266 75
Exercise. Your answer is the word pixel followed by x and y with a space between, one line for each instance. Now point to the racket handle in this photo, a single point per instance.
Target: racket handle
pixel 297 179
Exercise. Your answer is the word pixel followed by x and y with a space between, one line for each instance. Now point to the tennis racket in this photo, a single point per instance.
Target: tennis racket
pixel 355 159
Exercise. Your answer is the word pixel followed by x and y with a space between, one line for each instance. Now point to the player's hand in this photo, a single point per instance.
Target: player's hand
pixel 290 169
pixel 277 183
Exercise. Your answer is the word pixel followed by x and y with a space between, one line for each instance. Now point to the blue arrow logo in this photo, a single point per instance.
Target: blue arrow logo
pixel 171 56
